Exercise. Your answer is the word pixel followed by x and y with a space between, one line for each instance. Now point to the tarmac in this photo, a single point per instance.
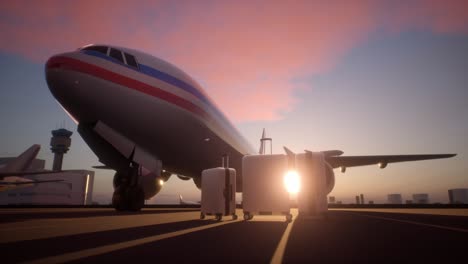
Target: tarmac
pixel 177 235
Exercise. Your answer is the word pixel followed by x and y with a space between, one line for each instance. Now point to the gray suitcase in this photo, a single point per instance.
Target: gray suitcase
pixel 218 193
pixel 312 200
pixel 263 191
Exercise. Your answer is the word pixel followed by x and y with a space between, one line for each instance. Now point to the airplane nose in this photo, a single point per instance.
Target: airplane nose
pixel 64 83
pixel 55 62
pixel 60 84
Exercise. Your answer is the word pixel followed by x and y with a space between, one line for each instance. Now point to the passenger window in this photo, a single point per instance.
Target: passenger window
pixel 116 54
pixel 131 60
pixel 100 49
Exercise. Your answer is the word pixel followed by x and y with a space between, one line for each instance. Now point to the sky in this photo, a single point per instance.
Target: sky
pixel 366 77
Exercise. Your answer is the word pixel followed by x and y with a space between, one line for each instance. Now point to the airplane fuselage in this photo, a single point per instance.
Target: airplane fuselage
pixel 151 103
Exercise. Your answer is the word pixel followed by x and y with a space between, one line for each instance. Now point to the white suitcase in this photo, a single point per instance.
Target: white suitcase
pixel 312 199
pixel 218 193
pixel 263 190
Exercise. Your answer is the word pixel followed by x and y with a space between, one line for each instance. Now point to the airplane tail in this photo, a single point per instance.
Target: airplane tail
pixel 23 161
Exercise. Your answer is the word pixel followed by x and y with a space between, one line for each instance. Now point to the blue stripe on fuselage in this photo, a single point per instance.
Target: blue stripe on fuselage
pixel 152 72
pixel 174 81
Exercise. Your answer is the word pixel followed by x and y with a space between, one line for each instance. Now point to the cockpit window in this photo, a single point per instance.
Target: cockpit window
pixel 100 49
pixel 131 61
pixel 116 54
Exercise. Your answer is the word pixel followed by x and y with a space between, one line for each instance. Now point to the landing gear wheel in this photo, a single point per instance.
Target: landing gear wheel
pixel 247 216
pixel 218 217
pixel 119 179
pixel 119 199
pixel 136 198
pixel 289 218
pixel 234 217
pixel 202 216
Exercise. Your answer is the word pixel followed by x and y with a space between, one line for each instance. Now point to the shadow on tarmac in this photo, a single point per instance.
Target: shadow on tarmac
pixel 23 216
pixel 14 252
pixel 347 237
pixel 236 242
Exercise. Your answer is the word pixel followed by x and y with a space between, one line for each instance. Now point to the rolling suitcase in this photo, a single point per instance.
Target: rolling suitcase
pixel 312 200
pixel 263 190
pixel 218 193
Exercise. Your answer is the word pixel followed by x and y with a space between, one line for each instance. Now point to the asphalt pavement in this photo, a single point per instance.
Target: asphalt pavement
pixel 177 235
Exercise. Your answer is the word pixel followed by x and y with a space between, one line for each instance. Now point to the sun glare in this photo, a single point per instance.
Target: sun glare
pixel 292 182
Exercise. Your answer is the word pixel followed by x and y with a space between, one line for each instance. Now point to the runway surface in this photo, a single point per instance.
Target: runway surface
pixel 178 236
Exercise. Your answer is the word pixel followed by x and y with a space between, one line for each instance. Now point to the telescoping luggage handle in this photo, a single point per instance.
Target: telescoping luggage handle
pixel 228 193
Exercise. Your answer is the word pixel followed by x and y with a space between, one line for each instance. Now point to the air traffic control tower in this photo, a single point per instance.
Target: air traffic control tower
pixel 59 144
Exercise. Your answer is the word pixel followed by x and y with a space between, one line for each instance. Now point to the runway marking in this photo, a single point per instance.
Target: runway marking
pixel 123 245
pixel 281 247
pixel 417 223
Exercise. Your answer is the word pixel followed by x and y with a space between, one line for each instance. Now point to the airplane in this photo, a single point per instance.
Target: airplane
pixel 9 173
pixel 147 119
pixel 183 202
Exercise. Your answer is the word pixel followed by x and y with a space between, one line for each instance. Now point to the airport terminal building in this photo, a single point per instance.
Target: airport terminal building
pixel 75 189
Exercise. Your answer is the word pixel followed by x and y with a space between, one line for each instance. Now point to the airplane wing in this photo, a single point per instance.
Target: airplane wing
pixel 3 183
pixel 26 173
pixel 353 161
pixel 102 167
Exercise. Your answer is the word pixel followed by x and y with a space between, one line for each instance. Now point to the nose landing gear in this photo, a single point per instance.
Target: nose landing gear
pixel 128 195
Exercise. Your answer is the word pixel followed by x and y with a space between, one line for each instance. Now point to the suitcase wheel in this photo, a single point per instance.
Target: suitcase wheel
pixel 289 218
pixel 247 216
pixel 202 216
pixel 219 217
pixel 234 217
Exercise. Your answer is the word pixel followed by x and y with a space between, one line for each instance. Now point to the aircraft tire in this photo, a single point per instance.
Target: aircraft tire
pixel 135 198
pixel 119 199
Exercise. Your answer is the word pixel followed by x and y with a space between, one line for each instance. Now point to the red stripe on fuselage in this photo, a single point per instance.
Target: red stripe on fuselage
pixel 96 71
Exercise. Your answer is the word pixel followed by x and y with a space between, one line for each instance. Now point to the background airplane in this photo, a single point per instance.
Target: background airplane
pixel 147 119
pixel 183 202
pixel 10 173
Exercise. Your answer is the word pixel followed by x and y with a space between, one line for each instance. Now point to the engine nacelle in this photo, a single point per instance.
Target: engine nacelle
pixel 329 178
pixel 151 184
pixel 382 165
pixel 197 181
pixel 182 177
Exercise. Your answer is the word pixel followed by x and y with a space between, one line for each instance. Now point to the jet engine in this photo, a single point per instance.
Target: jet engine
pixel 197 181
pixel 329 178
pixel 151 183
pixel 182 177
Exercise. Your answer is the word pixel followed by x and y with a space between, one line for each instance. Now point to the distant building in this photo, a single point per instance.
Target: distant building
pixel 458 196
pixel 76 189
pixel 371 202
pixel 409 201
pixel 362 198
pixel 421 198
pixel 331 199
pixel 394 198
pixel 357 199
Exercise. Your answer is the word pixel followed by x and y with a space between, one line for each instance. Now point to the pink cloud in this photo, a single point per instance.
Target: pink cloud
pixel 245 55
